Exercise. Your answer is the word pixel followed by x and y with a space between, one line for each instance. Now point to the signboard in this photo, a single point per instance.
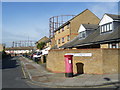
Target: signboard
pixel 69 61
pixel 80 54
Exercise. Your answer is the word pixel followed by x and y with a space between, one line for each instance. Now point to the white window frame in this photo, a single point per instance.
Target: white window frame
pixel 106 28
pixel 111 26
pixel 116 45
pixel 83 34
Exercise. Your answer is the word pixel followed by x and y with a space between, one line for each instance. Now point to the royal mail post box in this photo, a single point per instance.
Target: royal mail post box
pixel 68 65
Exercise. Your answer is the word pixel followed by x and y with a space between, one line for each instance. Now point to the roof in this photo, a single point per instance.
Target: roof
pixel 44 39
pixel 20 48
pixel 113 16
pixel 95 38
pixel 70 20
pixel 62 25
pixel 54 47
pixel 90 26
pixel 48 40
pixel 71 43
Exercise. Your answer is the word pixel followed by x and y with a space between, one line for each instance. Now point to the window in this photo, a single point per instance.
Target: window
pixel 106 28
pixel 114 45
pixel 110 26
pixel 63 29
pixel 102 29
pixel 68 37
pixel 58 41
pixel 82 34
pixel 63 40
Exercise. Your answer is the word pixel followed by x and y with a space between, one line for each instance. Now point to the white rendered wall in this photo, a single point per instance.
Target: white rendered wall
pixel 81 28
pixel 105 19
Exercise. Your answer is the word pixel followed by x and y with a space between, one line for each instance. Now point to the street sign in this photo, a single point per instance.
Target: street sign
pixel 80 54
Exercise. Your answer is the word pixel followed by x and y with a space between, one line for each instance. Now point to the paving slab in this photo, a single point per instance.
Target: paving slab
pixel 39 74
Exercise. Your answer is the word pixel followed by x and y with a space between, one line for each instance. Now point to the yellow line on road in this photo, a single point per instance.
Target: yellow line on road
pixel 33 83
pixel 37 84
pixel 24 73
pixel 104 86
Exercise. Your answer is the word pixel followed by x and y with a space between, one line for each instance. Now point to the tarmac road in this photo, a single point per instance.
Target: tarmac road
pixel 12 75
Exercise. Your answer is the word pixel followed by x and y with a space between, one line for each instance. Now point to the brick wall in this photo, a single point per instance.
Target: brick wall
pixel 83 18
pixel 110 60
pixel 53 42
pixel 86 17
pixel 62 34
pixel 102 61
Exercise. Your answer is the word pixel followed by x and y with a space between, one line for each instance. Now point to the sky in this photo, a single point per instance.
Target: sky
pixel 23 20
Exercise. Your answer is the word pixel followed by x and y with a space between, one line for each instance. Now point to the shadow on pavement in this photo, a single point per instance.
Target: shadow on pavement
pixel 77 74
pixel 115 84
pixel 9 62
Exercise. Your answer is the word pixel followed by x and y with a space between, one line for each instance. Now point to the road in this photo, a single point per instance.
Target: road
pixel 12 75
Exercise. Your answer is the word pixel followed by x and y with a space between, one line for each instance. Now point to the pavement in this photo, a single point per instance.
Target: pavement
pixel 38 74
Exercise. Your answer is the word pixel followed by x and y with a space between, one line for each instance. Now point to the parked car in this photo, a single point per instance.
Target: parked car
pixel 45 51
pixel 36 56
pixel 31 55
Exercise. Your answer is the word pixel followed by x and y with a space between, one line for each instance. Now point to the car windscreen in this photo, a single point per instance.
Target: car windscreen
pixel 39 53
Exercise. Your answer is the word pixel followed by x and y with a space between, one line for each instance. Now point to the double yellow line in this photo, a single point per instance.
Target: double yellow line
pixel 24 73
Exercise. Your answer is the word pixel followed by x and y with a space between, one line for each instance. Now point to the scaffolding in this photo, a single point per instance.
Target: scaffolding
pixel 56 21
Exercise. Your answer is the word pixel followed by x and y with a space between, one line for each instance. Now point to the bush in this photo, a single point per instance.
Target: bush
pixel 41 45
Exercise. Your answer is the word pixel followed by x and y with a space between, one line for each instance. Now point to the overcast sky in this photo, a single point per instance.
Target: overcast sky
pixel 21 20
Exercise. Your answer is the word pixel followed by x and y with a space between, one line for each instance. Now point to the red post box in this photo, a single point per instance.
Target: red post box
pixel 68 66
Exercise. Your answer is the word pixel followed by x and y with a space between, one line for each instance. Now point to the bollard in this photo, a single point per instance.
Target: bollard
pixel 68 66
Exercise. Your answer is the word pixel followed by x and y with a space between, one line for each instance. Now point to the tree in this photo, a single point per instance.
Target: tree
pixel 41 45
